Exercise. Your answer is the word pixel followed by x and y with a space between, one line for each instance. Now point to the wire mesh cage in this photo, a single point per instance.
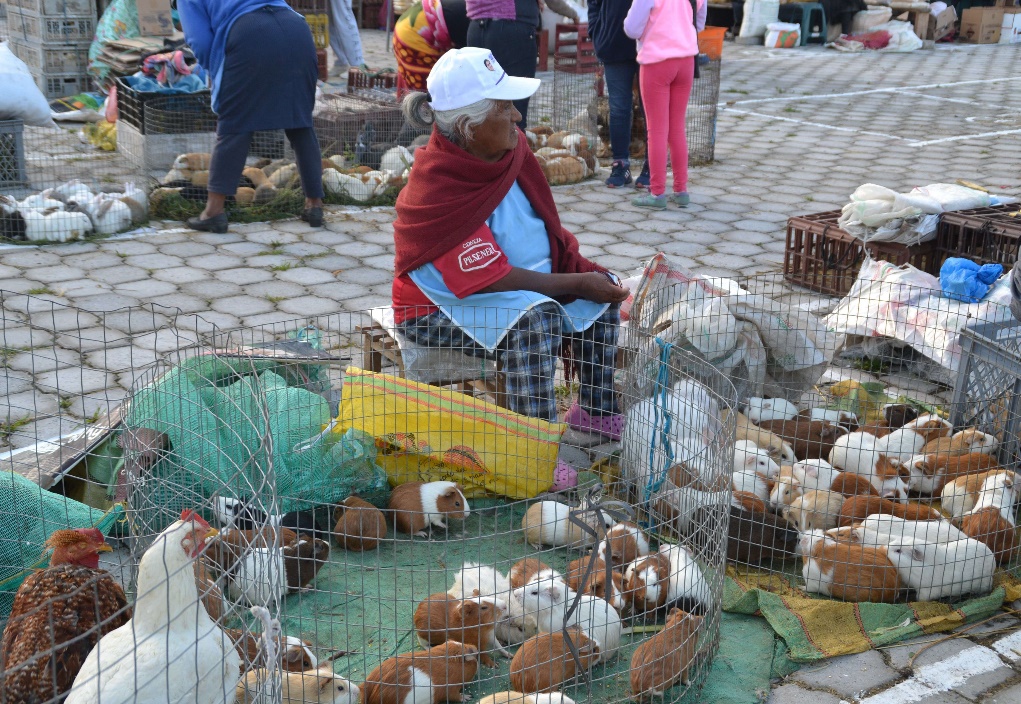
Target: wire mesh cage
pixel 702 109
pixel 876 444
pixel 327 413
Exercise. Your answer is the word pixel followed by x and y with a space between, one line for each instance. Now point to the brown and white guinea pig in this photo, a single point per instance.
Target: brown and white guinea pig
pixel 847 572
pixel 747 501
pixel 417 506
pixel 232 544
pixel 930 473
pixel 795 481
pixel 624 543
pixel 523 571
pixel 904 443
pixel 961 443
pixel 295 654
pixel 757 537
pixel 858 508
pixel 859 453
pixel 778 450
pixel 319 686
pixel 811 439
pixel 544 663
pixel 549 523
pixel 359 525
pixel 303 558
pixel 441 617
pixel 647 582
pixel 596 584
pixel 522 698
pixel 992 487
pixel 440 672
pixel 816 509
pixel 664 660
pixel 995 528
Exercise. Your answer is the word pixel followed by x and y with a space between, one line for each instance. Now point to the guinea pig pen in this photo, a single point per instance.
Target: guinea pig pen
pixel 302 432
pixel 877 442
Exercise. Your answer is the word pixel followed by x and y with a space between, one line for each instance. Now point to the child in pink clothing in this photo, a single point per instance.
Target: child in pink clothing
pixel 667 50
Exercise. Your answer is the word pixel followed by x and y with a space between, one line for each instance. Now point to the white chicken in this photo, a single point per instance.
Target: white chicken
pixel 170 650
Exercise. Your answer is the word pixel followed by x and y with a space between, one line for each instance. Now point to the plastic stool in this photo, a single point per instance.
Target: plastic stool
pixel 804 13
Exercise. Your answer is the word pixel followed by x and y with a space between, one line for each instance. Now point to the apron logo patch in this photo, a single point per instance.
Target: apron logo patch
pixel 478 256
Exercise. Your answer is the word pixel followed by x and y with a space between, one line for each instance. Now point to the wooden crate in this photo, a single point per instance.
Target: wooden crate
pixel 985 235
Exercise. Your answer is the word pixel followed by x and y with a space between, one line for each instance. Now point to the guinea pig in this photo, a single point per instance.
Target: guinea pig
pixel 596 618
pixel 962 494
pixel 927 531
pixel 489 583
pixel 596 584
pixel 521 698
pixel 851 484
pixel 847 572
pixel 232 544
pixel 901 444
pixel 775 446
pixel 359 525
pixel 303 558
pixel 417 506
pixel 748 457
pixel 523 570
pixel 859 453
pixel 663 660
pixel 759 410
pixel 897 415
pixel 930 473
pixel 994 528
pixel 961 443
pixel 295 654
pixel 435 675
pixel 440 618
pixel 545 663
pixel 688 584
pixel 930 426
pixel 942 570
pixel 795 480
pixel 755 538
pixel 624 543
pixel 830 415
pixel 817 509
pixel 320 686
pixel 857 508
pixel 549 523
pixel 647 582
pixel 811 439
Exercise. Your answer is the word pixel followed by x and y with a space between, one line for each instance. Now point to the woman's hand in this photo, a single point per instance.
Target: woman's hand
pixel 597 287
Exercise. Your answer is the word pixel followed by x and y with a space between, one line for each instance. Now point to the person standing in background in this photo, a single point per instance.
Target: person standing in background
pixel 667 34
pixel 618 54
pixel 507 28
pixel 345 39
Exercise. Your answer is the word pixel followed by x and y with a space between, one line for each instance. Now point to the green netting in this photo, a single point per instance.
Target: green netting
pixel 28 515
pixel 236 428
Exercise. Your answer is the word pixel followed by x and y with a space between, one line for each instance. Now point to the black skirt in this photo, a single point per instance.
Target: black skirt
pixel 269 73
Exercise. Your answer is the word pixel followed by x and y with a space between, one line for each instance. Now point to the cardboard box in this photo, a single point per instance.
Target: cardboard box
pixel 154 18
pixel 981 25
pixel 942 24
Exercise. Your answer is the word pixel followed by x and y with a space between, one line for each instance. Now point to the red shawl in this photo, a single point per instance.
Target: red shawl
pixel 450 194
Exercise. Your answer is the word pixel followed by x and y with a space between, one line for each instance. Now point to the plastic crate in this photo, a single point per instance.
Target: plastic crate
pixel 184 113
pixel 990 368
pixel 985 235
pixel 12 154
pixel 22 24
pixel 52 58
pixel 359 81
pixel 57 8
pixel 573 51
pixel 61 85
pixel 821 257
pixel 320 26
pixel 710 41
pixel 309 7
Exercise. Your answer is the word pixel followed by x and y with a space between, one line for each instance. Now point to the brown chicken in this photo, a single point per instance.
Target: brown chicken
pixel 59 614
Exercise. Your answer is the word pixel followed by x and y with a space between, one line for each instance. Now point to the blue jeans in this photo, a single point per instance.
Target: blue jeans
pixel 619 81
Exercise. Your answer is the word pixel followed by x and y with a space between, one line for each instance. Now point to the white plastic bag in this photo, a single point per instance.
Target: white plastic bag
pixel 783 35
pixel 758 14
pixel 902 37
pixel 867 20
pixel 20 97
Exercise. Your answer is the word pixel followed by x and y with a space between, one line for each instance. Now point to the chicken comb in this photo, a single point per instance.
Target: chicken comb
pixel 189 514
pixel 67 538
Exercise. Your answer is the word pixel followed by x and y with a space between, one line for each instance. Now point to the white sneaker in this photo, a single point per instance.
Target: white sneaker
pixel 339 71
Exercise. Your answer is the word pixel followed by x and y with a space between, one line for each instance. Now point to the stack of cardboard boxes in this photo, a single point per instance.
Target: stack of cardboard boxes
pixel 991 25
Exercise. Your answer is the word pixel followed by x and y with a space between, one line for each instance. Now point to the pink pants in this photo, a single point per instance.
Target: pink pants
pixel 666 86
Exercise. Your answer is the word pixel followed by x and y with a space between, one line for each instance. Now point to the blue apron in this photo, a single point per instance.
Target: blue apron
pixel 486 317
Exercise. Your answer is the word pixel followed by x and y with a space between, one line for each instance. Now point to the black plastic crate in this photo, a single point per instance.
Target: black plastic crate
pixel 178 114
pixel 12 154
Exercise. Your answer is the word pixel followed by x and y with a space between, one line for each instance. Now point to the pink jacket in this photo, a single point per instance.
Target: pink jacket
pixel 664 29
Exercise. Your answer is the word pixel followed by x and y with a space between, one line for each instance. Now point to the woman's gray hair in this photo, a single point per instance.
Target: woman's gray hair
pixel 457 125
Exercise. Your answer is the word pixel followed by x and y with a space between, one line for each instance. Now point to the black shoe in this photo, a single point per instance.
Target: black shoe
pixel 217 224
pixel 313 216
pixel 643 179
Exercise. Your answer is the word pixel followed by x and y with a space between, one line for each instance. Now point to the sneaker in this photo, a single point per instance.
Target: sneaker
pixel 682 199
pixel 643 179
pixel 650 201
pixel 620 175
pixel 338 71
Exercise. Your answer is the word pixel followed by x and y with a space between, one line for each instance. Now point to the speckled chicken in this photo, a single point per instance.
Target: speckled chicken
pixel 58 615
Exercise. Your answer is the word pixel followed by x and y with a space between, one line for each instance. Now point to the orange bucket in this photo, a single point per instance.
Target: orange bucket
pixel 710 41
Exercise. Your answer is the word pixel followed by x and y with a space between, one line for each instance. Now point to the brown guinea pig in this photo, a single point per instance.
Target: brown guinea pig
pixel 757 537
pixel 858 508
pixel 848 572
pixel 360 525
pixel 417 506
pixel 988 526
pixel 811 439
pixel 851 484
pixel 524 570
pixel 544 662
pixel 647 582
pixel 444 669
pixel 596 582
pixel 441 617
pixel 303 558
pixel 961 443
pixel 663 660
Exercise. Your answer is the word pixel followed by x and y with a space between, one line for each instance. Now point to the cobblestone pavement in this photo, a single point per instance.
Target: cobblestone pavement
pixel 798 131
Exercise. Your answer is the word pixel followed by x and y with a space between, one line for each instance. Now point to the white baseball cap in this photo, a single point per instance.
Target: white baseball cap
pixel 465 76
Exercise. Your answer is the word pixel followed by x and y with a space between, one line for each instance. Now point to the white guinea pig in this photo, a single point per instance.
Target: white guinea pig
pixel 549 604
pixel 750 457
pixel 763 409
pixel 938 571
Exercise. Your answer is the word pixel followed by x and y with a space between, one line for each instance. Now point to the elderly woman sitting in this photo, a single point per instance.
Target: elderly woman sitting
pixel 482 262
